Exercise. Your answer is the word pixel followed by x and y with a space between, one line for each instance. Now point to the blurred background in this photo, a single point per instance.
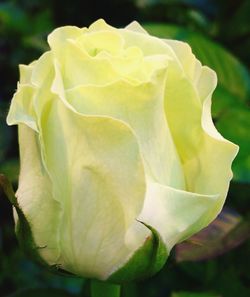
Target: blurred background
pixel 215 262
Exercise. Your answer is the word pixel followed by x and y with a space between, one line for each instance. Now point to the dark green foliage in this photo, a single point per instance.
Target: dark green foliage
pixel 41 293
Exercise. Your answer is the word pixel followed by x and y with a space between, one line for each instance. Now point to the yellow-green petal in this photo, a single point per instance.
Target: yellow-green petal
pixel 176 214
pixel 97 155
pixel 200 146
pixel 26 72
pixel 35 198
pixel 22 109
pixel 136 27
pixel 141 107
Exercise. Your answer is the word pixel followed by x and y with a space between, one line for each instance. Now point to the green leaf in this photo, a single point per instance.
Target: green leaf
pixel 10 168
pixel 41 293
pixel 5 135
pixel 234 124
pixel 231 98
pixel 12 17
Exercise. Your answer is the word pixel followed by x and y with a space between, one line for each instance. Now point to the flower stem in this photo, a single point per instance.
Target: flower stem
pixel 102 289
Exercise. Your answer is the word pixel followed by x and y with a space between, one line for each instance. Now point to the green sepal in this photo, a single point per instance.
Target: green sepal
pixel 145 262
pixel 23 230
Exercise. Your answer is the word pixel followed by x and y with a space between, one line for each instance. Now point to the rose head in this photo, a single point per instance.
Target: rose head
pixel 120 159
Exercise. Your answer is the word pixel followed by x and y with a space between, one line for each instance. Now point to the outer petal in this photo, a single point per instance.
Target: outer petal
pixel 201 77
pixel 26 72
pixel 176 214
pixel 206 156
pixel 21 109
pixel 97 155
pixel 136 27
pixel 34 197
pixel 189 64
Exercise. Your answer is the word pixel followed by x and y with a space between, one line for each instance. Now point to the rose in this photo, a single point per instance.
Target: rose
pixel 120 159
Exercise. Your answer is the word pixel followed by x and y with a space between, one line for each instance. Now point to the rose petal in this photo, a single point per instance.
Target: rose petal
pixel 176 214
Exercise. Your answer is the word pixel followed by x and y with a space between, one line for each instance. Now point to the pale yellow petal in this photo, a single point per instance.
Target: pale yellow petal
pixel 34 196
pixel 141 107
pixel 150 45
pixel 97 155
pixel 206 156
pixel 22 109
pixel 96 42
pixel 176 214
pixel 136 27
pixel 26 72
pixel 100 25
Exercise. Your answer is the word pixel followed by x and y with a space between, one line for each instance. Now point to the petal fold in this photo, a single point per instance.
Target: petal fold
pixel 176 214
pixel 199 144
pixel 141 107
pixel 22 109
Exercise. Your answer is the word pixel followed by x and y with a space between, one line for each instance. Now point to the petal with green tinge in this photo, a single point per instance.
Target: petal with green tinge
pixel 200 146
pixel 97 155
pixel 176 214
pixel 34 196
pixel 141 107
